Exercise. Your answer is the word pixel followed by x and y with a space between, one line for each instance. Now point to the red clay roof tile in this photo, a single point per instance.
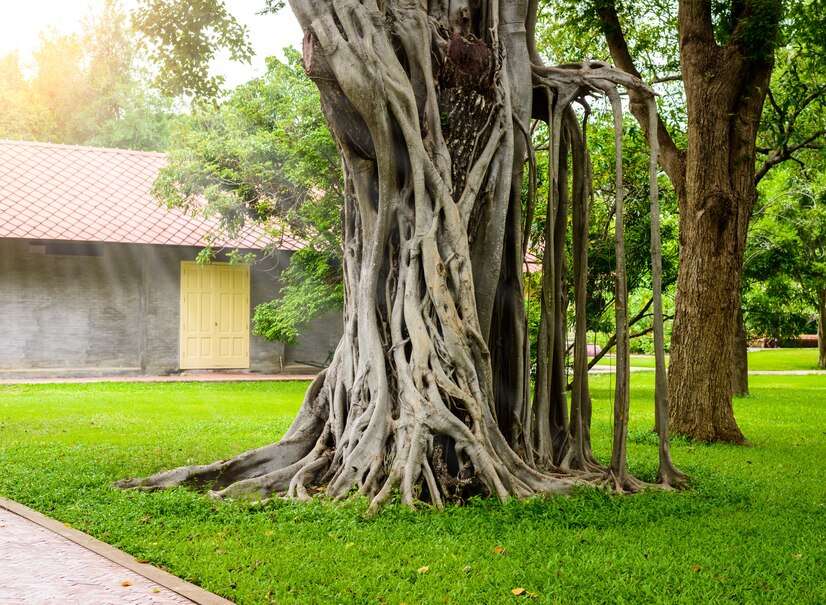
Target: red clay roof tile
pixel 68 192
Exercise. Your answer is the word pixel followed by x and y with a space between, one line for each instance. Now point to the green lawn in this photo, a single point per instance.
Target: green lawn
pixel 783 359
pixel 753 528
pixel 765 359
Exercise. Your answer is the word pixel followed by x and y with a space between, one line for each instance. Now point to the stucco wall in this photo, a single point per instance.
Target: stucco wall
pixel 112 313
pixel 317 341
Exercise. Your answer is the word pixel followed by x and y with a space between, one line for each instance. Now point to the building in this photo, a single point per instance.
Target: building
pixel 97 279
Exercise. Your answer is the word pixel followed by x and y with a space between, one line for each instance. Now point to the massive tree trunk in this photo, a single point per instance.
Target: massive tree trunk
pixel 821 328
pixel 427 393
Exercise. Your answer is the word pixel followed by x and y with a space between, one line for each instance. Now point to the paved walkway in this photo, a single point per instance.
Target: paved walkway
pixel 193 377
pixel 43 562
pixel 606 369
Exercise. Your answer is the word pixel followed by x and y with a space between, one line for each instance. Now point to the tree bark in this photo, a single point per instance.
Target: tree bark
pixel 725 88
pixel 740 370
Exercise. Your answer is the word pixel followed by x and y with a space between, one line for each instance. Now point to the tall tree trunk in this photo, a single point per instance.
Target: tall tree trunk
pixel 707 301
pixel 714 178
pixel 740 367
pixel 821 328
pixel 725 88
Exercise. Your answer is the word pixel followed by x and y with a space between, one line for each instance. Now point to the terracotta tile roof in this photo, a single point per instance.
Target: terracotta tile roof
pixel 92 194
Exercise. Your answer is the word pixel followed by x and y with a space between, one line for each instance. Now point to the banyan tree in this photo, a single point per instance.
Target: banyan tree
pixel 429 393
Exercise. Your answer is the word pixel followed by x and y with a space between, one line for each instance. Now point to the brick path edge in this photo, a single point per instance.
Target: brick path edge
pixel 194 593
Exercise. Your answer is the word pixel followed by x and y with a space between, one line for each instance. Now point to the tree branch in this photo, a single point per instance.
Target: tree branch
pixel 612 340
pixel 668 78
pixel 695 23
pixel 785 153
pixel 670 157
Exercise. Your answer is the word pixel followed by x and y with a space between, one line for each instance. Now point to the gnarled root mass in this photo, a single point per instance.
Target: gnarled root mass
pixel 429 106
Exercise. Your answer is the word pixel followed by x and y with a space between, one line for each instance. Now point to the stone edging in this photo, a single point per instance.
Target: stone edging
pixel 194 593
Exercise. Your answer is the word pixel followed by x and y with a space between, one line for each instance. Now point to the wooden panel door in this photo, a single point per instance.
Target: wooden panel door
pixel 215 302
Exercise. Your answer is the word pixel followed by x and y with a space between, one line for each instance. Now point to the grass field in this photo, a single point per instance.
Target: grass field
pixel 763 360
pixel 752 529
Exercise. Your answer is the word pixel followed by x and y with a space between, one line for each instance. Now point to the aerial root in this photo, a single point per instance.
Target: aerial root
pixel 669 477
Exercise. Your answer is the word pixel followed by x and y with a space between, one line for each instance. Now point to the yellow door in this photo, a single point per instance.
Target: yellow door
pixel 215 303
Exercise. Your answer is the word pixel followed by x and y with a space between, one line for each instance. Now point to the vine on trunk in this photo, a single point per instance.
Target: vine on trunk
pixel 429 105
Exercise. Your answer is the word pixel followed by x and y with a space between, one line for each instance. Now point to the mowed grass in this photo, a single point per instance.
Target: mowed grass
pixel 762 360
pixel 783 359
pixel 752 529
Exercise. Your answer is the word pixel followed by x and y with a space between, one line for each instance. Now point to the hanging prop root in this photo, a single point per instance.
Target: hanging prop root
pixel 564 84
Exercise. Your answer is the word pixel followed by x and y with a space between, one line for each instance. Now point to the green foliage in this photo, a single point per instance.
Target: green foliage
pixel 750 530
pixel 793 121
pixel 265 155
pixel 752 25
pixel 570 31
pixel 184 36
pixel 311 285
pixel 601 254
pixel 793 31
pixel 785 261
pixel 84 89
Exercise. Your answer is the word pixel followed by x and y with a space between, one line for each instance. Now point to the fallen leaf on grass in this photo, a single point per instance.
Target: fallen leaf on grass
pixel 499 550
pixel 518 591
pixel 695 568
pixel 423 569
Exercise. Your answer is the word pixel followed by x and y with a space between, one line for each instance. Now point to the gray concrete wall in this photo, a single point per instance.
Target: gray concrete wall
pixel 318 340
pixel 59 314
pixel 118 312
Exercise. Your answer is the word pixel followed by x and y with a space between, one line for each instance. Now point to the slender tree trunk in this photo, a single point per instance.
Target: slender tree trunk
pixel 821 328
pixel 740 370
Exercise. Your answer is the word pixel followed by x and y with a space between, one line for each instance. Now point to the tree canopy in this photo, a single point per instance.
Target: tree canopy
pixel 85 88
pixel 785 268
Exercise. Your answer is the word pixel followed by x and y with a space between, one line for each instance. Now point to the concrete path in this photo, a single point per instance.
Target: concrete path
pixel 44 562
pixel 194 377
pixel 605 369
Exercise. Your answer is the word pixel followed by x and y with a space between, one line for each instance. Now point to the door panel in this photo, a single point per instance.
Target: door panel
pixel 215 302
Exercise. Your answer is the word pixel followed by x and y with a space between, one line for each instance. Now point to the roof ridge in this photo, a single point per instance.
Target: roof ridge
pixel 26 143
